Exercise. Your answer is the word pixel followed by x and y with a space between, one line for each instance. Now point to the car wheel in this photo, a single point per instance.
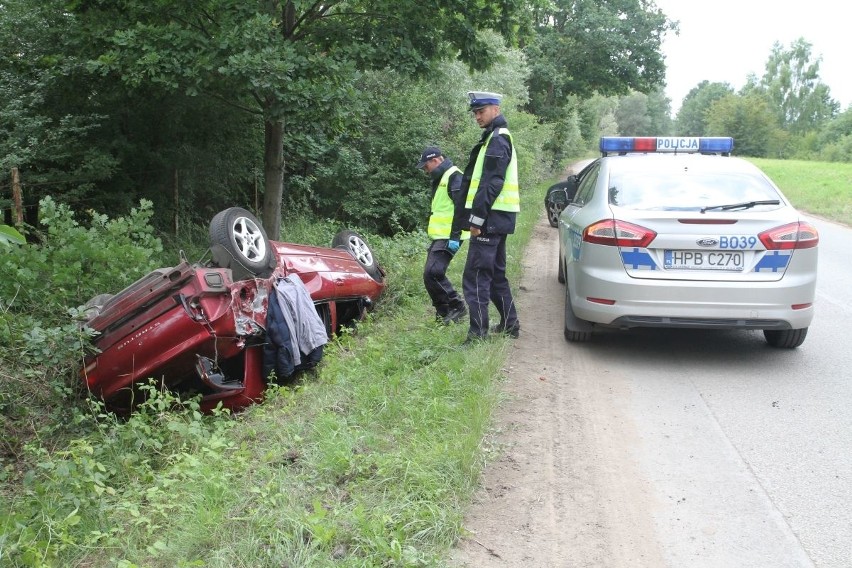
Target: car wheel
pixel 560 272
pixel 786 338
pixel 553 211
pixel 358 248
pixel 576 330
pixel 239 242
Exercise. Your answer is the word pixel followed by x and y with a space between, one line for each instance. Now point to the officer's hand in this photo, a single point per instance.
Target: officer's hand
pixel 475 231
pixel 453 246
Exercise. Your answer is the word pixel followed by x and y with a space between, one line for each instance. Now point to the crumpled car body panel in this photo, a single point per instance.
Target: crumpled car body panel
pixel 196 331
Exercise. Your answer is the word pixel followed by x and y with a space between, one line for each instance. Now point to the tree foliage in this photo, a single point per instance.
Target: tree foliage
pixel 368 176
pixel 750 120
pixel 632 115
pixel 292 63
pixel 792 83
pixel 692 116
pixel 48 129
pixel 582 47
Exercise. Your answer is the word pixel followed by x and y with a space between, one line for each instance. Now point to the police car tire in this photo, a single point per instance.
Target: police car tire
pixel 230 252
pixel 576 330
pixel 785 338
pixel 355 244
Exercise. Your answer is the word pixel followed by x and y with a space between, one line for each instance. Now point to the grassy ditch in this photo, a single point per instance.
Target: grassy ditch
pixel 369 460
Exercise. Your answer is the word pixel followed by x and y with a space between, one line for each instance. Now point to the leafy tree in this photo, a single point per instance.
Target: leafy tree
pixel 659 113
pixel 46 126
pixel 750 120
pixel 368 178
pixel 597 118
pixel 692 117
pixel 291 63
pixel 88 140
pixel 632 115
pixel 835 139
pixel 584 47
pixel 792 83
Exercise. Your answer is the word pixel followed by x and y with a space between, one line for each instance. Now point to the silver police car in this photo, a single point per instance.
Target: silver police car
pixel 675 232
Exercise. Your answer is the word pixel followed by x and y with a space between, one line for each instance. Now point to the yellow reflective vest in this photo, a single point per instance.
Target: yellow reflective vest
pixel 509 198
pixel 443 208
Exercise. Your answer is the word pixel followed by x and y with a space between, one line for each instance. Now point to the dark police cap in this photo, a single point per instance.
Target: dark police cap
pixel 429 153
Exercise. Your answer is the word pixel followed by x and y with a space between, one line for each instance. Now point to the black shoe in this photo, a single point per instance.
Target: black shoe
pixel 454 315
pixel 472 339
pixel 512 331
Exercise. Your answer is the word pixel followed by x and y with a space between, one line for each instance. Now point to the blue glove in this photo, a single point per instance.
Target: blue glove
pixel 453 246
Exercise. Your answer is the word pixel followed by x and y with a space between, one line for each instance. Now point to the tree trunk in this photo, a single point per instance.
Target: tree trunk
pixel 273 172
pixel 17 200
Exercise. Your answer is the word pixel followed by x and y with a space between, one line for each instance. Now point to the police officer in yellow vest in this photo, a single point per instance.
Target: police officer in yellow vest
pixel 445 229
pixel 492 201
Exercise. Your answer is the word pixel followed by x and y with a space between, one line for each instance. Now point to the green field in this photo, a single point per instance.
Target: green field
pixel 823 189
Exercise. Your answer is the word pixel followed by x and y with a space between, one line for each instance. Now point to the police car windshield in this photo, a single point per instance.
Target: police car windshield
pixel 690 191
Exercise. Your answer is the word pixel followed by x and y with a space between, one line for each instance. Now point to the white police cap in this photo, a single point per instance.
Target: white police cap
pixel 479 99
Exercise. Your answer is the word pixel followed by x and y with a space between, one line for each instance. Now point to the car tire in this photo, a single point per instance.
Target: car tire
pixel 356 246
pixel 576 330
pixel 238 241
pixel 553 212
pixel 785 338
pixel 560 271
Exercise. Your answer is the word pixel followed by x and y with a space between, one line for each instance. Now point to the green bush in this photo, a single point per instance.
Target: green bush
pixel 70 262
pixel 40 344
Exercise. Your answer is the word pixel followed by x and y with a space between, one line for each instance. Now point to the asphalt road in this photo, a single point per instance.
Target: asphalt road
pixel 748 448
pixel 670 448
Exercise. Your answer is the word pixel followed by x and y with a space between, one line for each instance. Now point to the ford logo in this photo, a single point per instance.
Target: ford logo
pixel 707 242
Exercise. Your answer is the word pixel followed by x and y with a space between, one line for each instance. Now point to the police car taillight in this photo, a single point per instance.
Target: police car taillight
pixel 798 235
pixel 667 144
pixel 614 233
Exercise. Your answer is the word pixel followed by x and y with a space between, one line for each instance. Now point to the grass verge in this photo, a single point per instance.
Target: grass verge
pixel 820 188
pixel 367 461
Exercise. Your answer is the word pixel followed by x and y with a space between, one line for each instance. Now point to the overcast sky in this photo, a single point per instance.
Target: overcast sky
pixel 725 40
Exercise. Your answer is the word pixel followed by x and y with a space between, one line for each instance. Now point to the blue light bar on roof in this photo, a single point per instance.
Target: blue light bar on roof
pixel 673 144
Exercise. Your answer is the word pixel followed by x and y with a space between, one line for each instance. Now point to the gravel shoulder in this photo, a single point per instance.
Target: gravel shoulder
pixel 561 491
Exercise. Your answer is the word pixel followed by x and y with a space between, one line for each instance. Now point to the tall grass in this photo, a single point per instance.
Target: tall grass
pixel 819 188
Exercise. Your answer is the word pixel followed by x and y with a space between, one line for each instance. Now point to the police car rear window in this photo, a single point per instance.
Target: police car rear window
pixel 688 191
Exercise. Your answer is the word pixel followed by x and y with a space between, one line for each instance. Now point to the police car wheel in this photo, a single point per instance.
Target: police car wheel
pixel 576 330
pixel 785 338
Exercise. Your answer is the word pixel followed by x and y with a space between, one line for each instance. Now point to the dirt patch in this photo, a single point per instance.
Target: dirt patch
pixel 561 492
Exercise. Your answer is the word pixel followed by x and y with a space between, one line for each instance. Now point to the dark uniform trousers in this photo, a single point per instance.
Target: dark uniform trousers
pixel 485 281
pixel 444 296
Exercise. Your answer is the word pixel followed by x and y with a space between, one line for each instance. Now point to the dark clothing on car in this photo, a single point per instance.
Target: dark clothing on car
pixel 281 353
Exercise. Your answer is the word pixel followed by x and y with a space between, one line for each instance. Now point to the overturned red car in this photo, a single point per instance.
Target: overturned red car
pixel 201 329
